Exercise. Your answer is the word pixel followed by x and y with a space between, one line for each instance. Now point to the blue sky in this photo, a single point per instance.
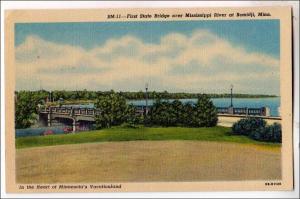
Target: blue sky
pixel 255 35
pixel 177 56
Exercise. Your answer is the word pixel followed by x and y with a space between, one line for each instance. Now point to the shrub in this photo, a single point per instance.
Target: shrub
pixel 271 133
pixel 257 129
pixel 277 132
pixel 258 134
pixel 248 125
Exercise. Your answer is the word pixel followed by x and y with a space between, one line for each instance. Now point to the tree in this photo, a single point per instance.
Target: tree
pixel 114 110
pixel 188 116
pixel 131 117
pixel 206 112
pixel 26 107
pixel 165 113
pixel 160 113
pixel 176 113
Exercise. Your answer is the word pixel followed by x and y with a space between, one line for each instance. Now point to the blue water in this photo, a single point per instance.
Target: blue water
pixel 37 131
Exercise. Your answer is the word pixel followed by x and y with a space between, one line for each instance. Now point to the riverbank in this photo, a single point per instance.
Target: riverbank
pixel 216 134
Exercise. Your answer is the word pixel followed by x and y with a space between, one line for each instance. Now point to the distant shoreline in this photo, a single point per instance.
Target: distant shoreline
pixel 138 95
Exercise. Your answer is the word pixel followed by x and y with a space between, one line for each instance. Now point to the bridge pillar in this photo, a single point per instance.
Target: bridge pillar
pixel 74 125
pixel 49 118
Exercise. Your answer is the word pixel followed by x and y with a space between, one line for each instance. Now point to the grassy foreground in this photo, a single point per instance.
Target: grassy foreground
pixel 148 161
pixel 141 133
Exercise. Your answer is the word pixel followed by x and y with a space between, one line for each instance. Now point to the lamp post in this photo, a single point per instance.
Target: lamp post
pixel 231 88
pixel 50 96
pixel 146 87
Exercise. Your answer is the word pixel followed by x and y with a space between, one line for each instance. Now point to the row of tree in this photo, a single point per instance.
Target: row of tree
pixel 176 113
pixel 93 95
pixel 115 111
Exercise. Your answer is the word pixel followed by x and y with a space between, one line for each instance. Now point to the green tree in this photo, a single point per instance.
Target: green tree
pixel 188 116
pixel 206 112
pixel 176 113
pixel 114 110
pixel 132 118
pixel 160 114
pixel 26 107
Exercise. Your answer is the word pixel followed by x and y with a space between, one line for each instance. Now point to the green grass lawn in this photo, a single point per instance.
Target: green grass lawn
pixel 141 133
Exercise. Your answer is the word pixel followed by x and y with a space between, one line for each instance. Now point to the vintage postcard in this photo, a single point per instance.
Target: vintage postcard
pixel 129 100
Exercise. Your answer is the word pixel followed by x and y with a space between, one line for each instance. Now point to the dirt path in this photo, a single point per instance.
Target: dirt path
pixel 138 161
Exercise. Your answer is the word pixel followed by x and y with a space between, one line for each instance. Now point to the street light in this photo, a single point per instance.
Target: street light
pixel 50 97
pixel 231 88
pixel 146 87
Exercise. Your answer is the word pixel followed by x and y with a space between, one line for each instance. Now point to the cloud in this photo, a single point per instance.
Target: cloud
pixel 200 62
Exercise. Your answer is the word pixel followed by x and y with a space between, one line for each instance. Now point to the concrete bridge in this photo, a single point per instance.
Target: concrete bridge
pixel 73 114
pixel 226 116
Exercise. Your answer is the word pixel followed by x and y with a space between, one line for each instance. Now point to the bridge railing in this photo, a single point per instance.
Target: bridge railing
pixel 84 111
pixel 70 110
pixel 222 110
pixel 240 111
pixel 263 111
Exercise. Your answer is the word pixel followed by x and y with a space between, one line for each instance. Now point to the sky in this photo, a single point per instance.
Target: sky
pixel 177 56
